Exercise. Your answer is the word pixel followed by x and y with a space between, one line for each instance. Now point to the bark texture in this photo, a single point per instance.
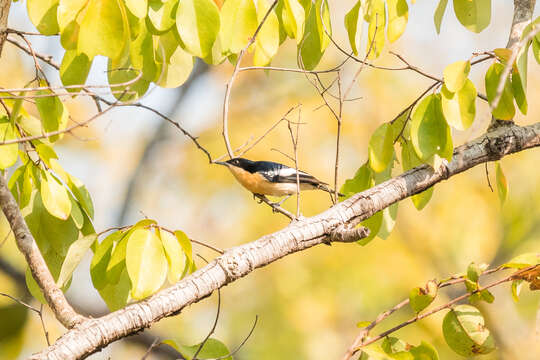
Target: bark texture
pixel 93 334
pixel 27 245
pixel 4 12
pixel 523 12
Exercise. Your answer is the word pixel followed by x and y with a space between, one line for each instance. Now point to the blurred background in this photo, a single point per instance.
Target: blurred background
pixel 135 165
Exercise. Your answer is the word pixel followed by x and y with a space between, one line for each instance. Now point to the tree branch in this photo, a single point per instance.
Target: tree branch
pixel 94 334
pixel 27 245
pixel 4 12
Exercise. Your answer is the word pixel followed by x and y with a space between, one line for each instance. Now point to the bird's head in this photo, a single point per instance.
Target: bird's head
pixel 236 162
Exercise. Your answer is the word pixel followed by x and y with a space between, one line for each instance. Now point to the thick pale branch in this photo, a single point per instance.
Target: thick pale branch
pixel 27 245
pixel 94 334
pixel 4 12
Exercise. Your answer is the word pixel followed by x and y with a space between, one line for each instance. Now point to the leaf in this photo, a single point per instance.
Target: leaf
pixel 138 8
pixel 519 88
pixel 420 298
pixel 122 80
pixel 398 15
pixel 101 258
pixel 175 256
pixel 455 75
pixel 376 17
pixel 396 348
pixel 389 216
pixel 351 25
pixel 8 153
pixel 42 13
pixel 429 130
pixel 33 287
pixel 465 332
pixel 74 69
pixel 505 108
pixel 475 15
pixel 502 184
pixel 439 14
pixel 293 17
pixel 311 44
pixel 176 70
pixel 424 351
pixel 116 295
pixel 53 112
pixel 381 147
pixel 361 181
pixel 162 15
pixel 55 196
pixel 523 261
pixel 374 224
pixel 410 160
pixel 81 194
pixel 198 23
pixel 267 41
pixel 76 213
pixel 516 289
pixel 68 11
pixel 185 243
pixel 536 49
pixel 104 29
pixel 145 262
pixel 238 24
pixel 74 256
pixel 212 349
pixel 459 108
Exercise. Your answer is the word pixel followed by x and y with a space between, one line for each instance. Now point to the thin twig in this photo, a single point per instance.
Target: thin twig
pixel 154 344
pixel 232 353
pixel 228 87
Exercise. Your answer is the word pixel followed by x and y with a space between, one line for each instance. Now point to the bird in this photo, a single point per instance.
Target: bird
pixel 271 178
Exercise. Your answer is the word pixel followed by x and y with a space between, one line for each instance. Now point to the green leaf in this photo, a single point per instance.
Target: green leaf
pixel 175 256
pixel 81 194
pixel 104 29
pixel 162 14
pixel 398 15
pixel 361 181
pixel 145 262
pixel 505 108
pixel 389 216
pixel 116 295
pixel 42 13
pixel 475 15
pixel 536 49
pixel 76 213
pixel 68 12
pixel 374 224
pixel 74 69
pixel 212 349
pixel 519 89
pixel 267 41
pixel 238 24
pixel 424 351
pixel 523 261
pixel 55 197
pixel 122 77
pixel 185 243
pixel 8 153
pixel 410 160
pixel 176 70
pixel 430 134
pixel 311 43
pixel 420 298
pixel 137 7
pixel 516 289
pixel 198 23
pixel 396 348
pixel 381 148
pixel 33 287
pixel 293 17
pixel 439 14
pixel 502 184
pixel 376 17
pixel 351 24
pixel 75 254
pixel 53 113
pixel 465 332
pixel 459 108
pixel 141 54
pixel 100 261
pixel 455 75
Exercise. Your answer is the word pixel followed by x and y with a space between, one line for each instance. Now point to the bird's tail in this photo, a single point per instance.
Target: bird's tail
pixel 324 187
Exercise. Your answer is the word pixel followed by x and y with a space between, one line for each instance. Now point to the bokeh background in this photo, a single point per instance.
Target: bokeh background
pixel 307 304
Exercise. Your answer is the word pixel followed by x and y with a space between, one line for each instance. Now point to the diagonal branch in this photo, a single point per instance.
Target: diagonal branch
pixel 94 334
pixel 27 245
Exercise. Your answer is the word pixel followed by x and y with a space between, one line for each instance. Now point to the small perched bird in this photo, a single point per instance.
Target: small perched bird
pixel 270 178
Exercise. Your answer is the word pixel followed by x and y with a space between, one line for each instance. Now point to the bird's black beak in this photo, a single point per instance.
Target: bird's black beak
pixel 221 163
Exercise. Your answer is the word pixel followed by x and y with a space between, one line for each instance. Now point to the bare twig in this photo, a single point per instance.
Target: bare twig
pixel 242 343
pixel 228 87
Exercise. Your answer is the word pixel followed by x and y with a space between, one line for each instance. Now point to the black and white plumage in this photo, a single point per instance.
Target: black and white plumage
pixel 271 178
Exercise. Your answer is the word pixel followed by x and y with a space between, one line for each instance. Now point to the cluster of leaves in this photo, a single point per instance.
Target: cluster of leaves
pixel 210 349
pixel 423 130
pixel 133 263
pixel 463 326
